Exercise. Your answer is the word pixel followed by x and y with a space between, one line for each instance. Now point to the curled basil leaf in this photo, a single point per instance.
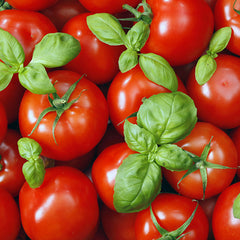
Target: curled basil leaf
pixel 5 76
pixel 127 60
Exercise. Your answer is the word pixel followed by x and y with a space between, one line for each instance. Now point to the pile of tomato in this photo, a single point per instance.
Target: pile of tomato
pixel 119 120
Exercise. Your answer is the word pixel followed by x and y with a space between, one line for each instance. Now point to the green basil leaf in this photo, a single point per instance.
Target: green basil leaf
pixel 205 68
pixel 170 117
pixel 11 51
pixel 56 50
pixel 127 60
pixel 137 183
pixel 107 29
pixel 158 70
pixel 138 35
pixel 34 77
pixel 236 207
pixel 172 157
pixel 139 139
pixel 5 76
pixel 220 40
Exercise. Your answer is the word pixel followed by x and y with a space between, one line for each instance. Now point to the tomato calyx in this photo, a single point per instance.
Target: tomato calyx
pixel 234 8
pixel 4 5
pixel 173 235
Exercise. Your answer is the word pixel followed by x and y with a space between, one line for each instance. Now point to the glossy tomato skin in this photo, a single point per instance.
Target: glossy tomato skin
pixel 224 224
pixel 193 31
pixel 78 130
pixel 222 152
pixel 104 170
pixel 97 60
pixel 235 135
pixel 64 207
pixel 11 176
pixel 126 93
pixel 3 122
pixel 220 95
pixel 9 217
pixel 171 211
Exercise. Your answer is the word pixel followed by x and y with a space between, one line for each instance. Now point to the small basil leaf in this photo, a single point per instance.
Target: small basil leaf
pixel 11 51
pixel 138 35
pixel 173 158
pixel 158 70
pixel 34 77
pixel 220 40
pixel 137 183
pixel 5 76
pixel 205 68
pixel 170 117
pixel 139 139
pixel 56 50
pixel 236 207
pixel 127 60
pixel 107 29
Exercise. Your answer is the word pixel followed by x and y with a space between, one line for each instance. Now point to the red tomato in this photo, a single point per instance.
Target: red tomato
pixel 78 130
pixel 235 135
pixel 100 234
pixel 104 170
pixel 224 224
pixel 222 152
pixel 9 216
pixel 126 92
pixel 180 31
pixel 97 60
pixel 11 176
pixel 64 207
pixel 3 122
pixel 220 95
pixel 171 211
pixel 225 16
pixel 211 3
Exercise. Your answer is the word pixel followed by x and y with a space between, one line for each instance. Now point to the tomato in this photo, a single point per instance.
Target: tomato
pixel 9 216
pixel 3 122
pixel 235 135
pixel 126 92
pixel 220 95
pixel 180 31
pixel 171 211
pixel 107 5
pixel 11 176
pixel 104 170
pixel 211 3
pixel 222 152
pixel 100 234
pixel 79 128
pixel 97 60
pixel 224 224
pixel 225 16
pixel 64 207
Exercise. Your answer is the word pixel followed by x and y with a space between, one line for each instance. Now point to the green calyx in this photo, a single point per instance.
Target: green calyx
pixel 4 5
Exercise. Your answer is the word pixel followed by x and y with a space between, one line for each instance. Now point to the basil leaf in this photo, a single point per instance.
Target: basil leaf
pixel 205 68
pixel 158 70
pixel 107 29
pixel 11 51
pixel 172 157
pixel 170 117
pixel 138 139
pixel 5 76
pixel 127 60
pixel 35 78
pixel 137 183
pixel 236 207
pixel 56 50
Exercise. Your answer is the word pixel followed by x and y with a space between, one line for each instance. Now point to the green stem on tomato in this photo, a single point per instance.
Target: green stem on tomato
pixel 4 5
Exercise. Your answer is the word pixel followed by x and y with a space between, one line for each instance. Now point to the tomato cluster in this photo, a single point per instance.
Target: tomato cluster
pixel 119 120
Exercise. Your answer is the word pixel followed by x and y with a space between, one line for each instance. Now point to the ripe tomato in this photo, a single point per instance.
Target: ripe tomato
pixel 220 95
pixel 97 60
pixel 171 211
pixel 3 122
pixel 79 128
pixel 180 31
pixel 235 135
pixel 126 92
pixel 224 224
pixel 222 152
pixel 64 207
pixel 9 216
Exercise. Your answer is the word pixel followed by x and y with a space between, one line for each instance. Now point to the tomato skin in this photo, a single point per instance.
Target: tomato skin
pixel 104 170
pixel 3 122
pixel 222 152
pixel 80 127
pixel 220 95
pixel 193 31
pixel 64 207
pixel 97 60
pixel 235 135
pixel 9 217
pixel 126 92
pixel 171 211
pixel 224 225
